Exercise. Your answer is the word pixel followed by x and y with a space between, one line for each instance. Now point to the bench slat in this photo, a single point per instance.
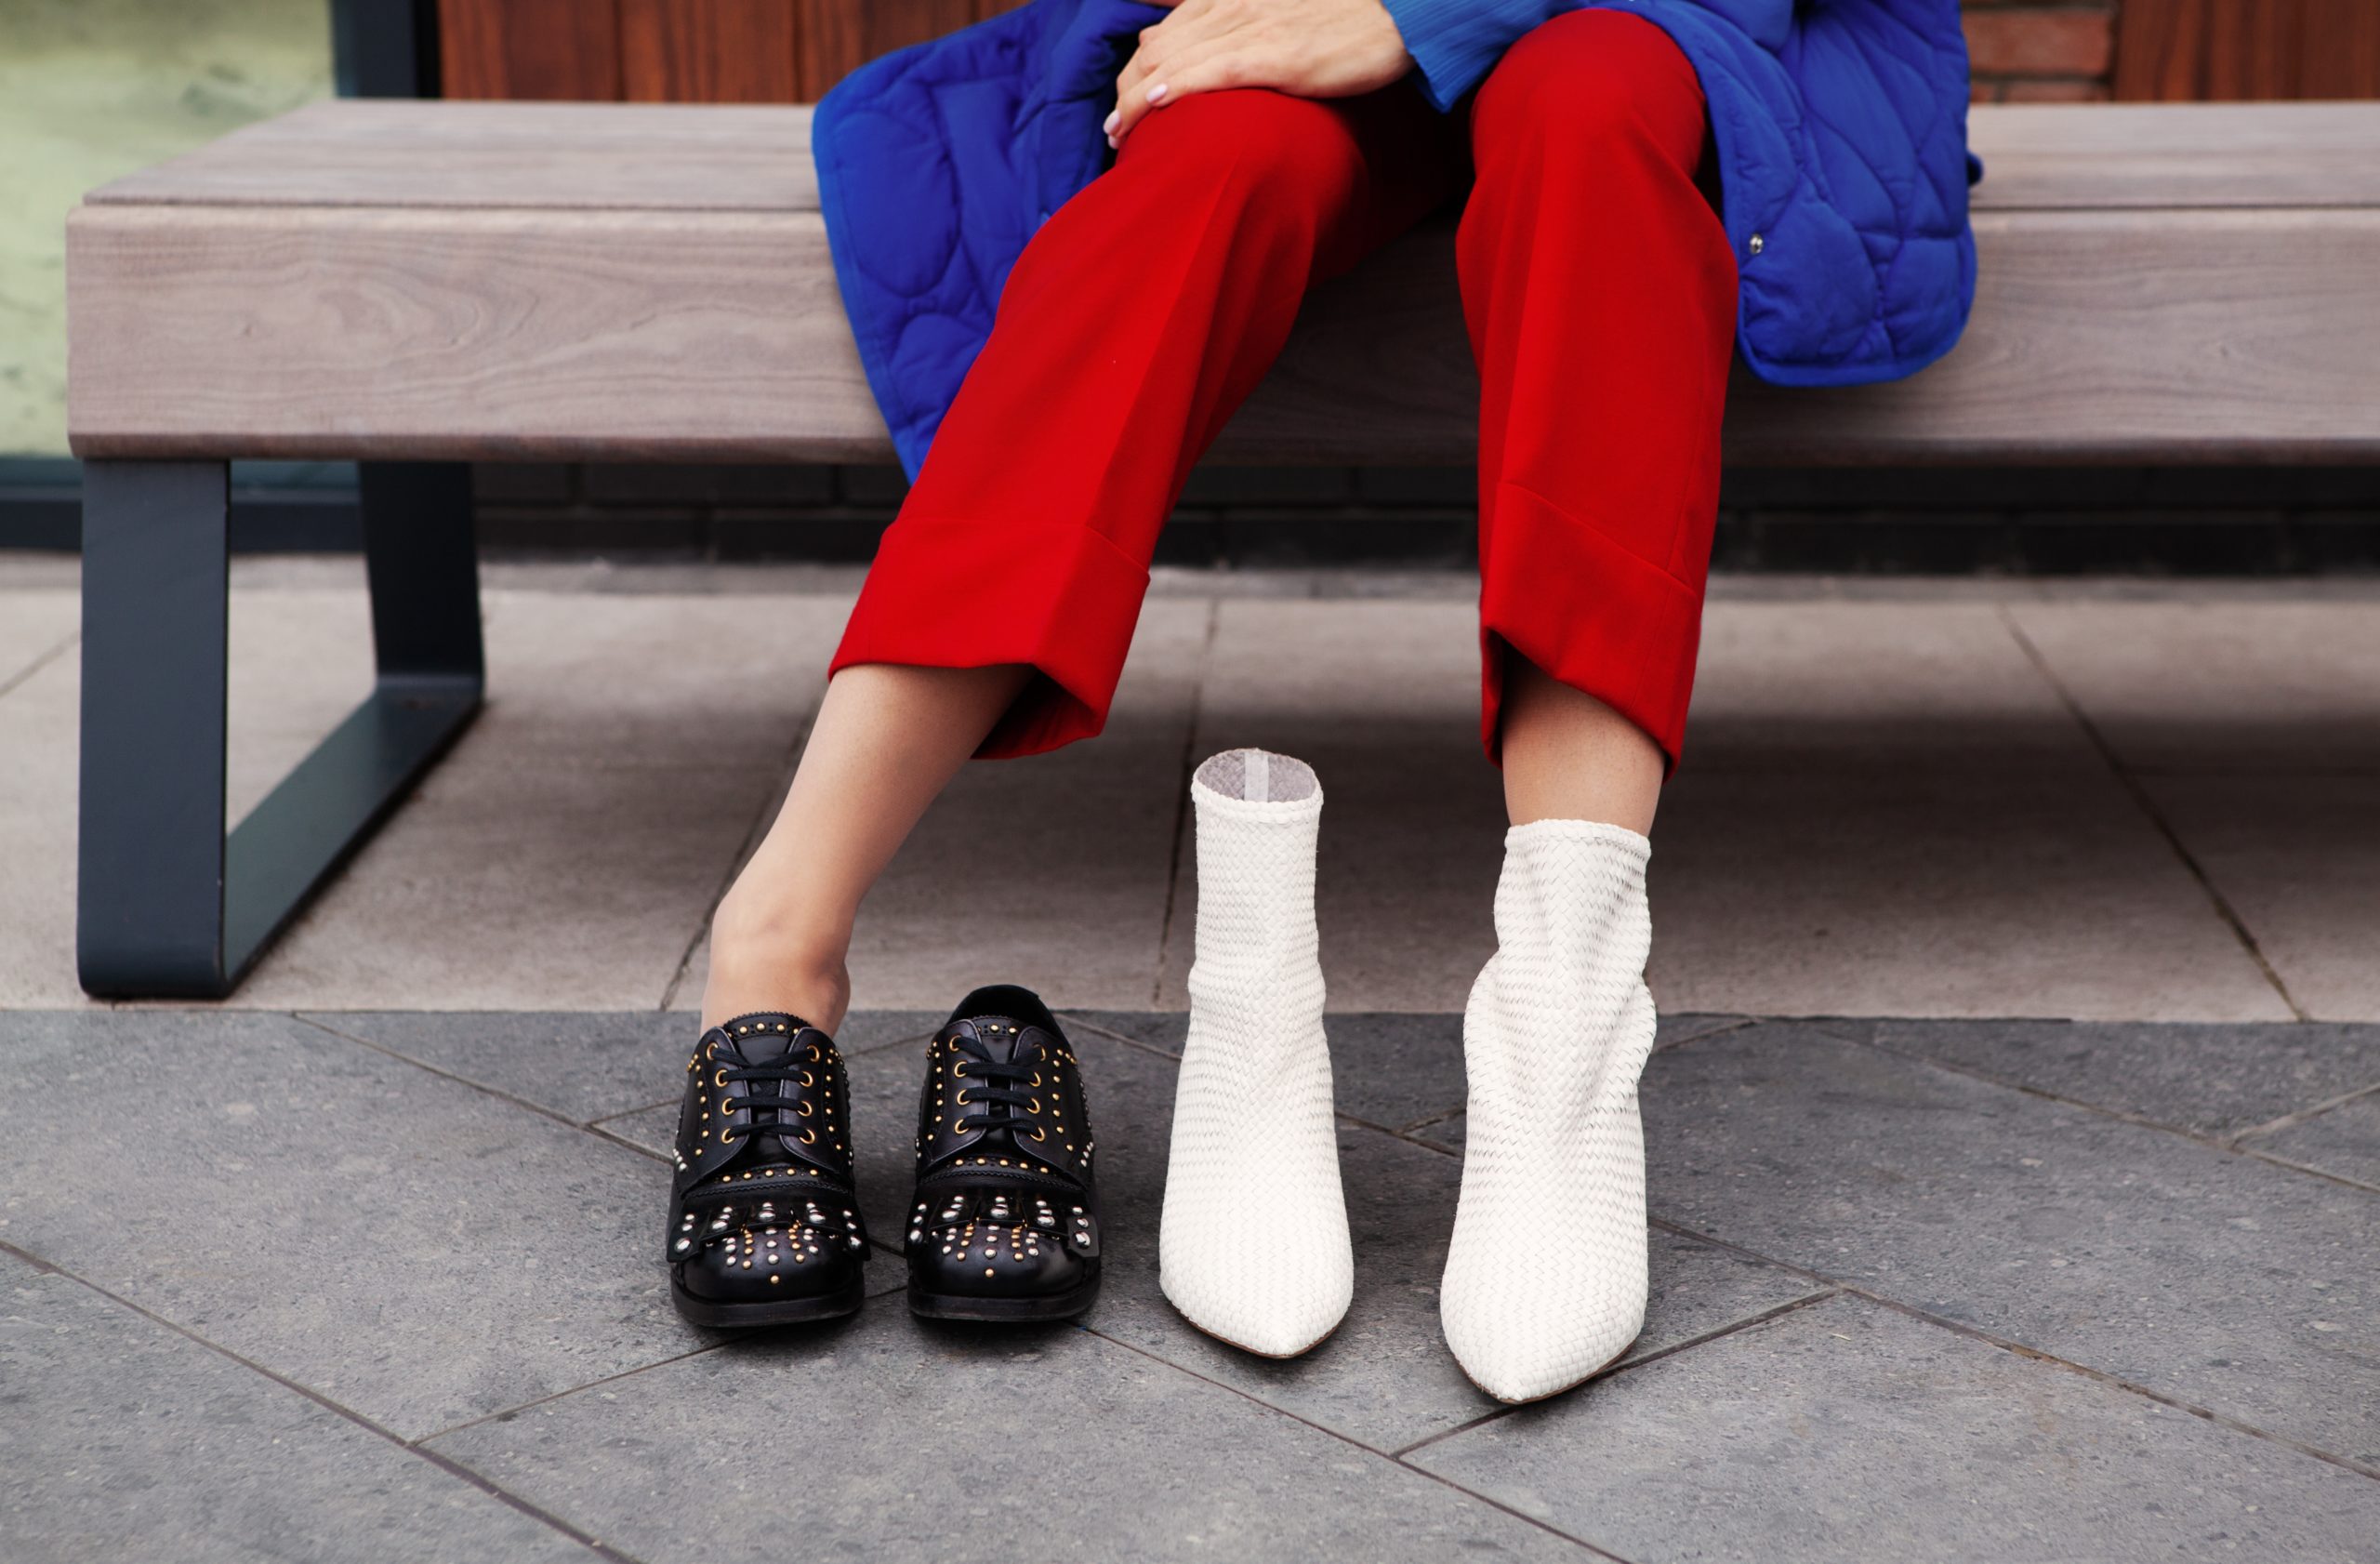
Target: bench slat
pixel 682 157
pixel 310 332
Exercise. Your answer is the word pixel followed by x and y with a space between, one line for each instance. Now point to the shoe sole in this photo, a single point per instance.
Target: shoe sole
pixel 1258 1351
pixel 791 1311
pixel 1003 1311
pixel 1547 1396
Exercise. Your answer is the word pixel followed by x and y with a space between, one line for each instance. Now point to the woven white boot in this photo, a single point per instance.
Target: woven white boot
pixel 1545 1282
pixel 1253 1245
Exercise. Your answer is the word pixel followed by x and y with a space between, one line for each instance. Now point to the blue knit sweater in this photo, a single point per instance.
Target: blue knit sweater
pixel 1839 128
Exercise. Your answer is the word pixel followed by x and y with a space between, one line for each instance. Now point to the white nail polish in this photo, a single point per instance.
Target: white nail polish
pixel 1156 93
pixel 1113 121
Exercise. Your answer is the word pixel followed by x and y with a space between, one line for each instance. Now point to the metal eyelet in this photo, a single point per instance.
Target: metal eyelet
pixel 808 1137
pixel 802 1109
pixel 718 1079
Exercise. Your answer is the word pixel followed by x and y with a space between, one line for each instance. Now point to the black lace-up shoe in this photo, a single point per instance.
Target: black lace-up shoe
pixel 764 1223
pixel 1005 1221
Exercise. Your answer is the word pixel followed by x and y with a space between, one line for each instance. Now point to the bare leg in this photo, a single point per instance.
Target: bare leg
pixel 886 741
pixel 1567 756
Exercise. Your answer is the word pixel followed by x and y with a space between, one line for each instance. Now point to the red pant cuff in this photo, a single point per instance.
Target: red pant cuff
pixel 980 593
pixel 1591 613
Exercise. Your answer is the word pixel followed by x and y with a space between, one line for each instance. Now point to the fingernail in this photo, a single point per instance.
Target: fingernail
pixel 1113 145
pixel 1113 121
pixel 1156 93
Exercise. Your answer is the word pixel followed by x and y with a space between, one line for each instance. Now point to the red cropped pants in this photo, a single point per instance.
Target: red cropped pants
pixel 1599 290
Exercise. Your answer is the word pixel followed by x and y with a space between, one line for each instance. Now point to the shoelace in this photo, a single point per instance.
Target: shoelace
pixel 1001 1088
pixel 777 1122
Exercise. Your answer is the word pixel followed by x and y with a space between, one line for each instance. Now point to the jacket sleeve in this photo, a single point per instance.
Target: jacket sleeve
pixel 1454 43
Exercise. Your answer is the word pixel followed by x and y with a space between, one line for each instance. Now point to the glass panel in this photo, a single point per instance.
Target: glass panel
pixel 91 89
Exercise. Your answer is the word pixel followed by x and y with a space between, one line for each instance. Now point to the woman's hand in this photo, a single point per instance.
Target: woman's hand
pixel 1308 48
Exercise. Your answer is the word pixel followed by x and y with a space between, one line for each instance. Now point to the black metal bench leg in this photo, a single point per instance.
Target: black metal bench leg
pixel 169 905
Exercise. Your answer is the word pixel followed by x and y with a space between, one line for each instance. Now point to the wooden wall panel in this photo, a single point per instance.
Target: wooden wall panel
pixel 709 52
pixel 567 49
pixel 838 35
pixel 2232 51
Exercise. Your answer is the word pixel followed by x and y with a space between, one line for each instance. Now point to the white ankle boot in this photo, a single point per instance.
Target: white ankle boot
pixel 1254 1246
pixel 1546 1282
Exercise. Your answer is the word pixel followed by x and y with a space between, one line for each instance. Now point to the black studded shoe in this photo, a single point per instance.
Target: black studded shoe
pixel 764 1223
pixel 1005 1221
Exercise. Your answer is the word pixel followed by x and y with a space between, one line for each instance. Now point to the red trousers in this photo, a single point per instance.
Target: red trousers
pixel 1599 289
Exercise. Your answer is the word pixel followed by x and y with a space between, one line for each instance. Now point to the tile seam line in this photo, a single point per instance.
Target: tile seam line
pixel 753 835
pixel 1775 1311
pixel 1190 729
pixel 2305 1115
pixel 2222 1145
pixel 461 1474
pixel 1352 1443
pixel 2131 785
pixel 1095 1030
pixel 308 1018
pixel 550 1397
pixel 10 685
pixel 2022 1349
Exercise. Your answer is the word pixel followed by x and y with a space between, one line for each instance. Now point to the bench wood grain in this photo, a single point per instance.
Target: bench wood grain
pixel 492 280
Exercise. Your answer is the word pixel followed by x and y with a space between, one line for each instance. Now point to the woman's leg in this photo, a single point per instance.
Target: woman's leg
pixel 1600 293
pixel 996 618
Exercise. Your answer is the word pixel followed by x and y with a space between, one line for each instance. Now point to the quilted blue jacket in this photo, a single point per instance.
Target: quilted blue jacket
pixel 1839 128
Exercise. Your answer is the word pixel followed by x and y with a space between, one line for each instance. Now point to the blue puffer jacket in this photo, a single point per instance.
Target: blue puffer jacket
pixel 1840 127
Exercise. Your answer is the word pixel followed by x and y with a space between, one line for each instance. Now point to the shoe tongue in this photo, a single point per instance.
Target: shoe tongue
pixel 765 1037
pixel 1004 1042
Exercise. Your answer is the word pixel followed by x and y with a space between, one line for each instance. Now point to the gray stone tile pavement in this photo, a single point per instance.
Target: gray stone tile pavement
pixel 1848 1431
pixel 418 1251
pixel 2218 1280
pixel 2216 1080
pixel 417 1230
pixel 122 1438
pixel 2342 1140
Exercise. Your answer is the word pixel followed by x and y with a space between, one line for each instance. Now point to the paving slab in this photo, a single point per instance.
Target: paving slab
pixel 2299 859
pixel 411 1248
pixel 2344 1141
pixel 2220 685
pixel 125 1439
pixel 1845 1430
pixel 1836 686
pixel 583 1068
pixel 673 679
pixel 35 626
pixel 892 1439
pixel 2217 1080
pixel 2220 1280
pixel 299 660
pixel 2036 888
pixel 509 887
pixel 37 802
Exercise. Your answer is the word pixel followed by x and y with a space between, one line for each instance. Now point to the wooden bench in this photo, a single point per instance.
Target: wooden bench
pixel 422 285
